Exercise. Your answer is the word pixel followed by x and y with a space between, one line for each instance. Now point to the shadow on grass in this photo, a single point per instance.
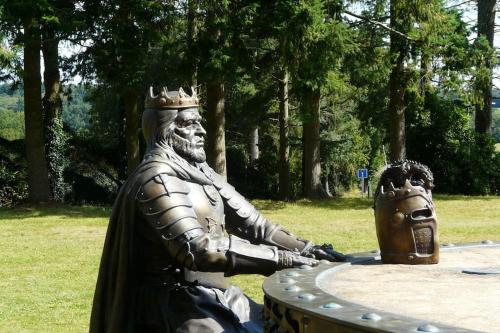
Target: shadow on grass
pixel 349 203
pixel 270 205
pixel 335 204
pixel 339 203
pixel 23 212
pixel 459 197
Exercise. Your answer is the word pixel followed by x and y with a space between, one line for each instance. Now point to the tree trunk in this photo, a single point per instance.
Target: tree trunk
pixel 284 153
pixel 425 73
pixel 216 140
pixel 326 184
pixel 397 87
pixel 486 28
pixel 253 145
pixel 51 78
pixel 191 37
pixel 131 129
pixel 55 137
pixel 312 165
pixel 38 180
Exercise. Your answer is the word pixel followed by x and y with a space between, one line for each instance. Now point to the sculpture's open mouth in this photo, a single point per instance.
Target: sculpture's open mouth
pixel 423 236
pixel 421 214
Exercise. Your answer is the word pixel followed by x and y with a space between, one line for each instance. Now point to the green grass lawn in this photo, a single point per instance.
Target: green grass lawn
pixel 49 256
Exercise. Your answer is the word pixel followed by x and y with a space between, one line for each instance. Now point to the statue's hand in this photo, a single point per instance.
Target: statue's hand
pixel 288 259
pixel 324 251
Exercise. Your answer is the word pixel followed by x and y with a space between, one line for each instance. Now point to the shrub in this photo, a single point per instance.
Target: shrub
pixel 14 187
pixel 462 161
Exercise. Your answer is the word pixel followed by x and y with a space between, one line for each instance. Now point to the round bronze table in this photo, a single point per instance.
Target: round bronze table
pixel 460 294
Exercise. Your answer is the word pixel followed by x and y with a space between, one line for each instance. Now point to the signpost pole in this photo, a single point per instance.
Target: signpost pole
pixel 362 175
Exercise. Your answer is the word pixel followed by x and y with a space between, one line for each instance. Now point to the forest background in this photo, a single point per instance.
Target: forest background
pixel 296 94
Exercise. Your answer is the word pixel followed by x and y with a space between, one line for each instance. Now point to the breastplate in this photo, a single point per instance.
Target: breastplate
pixel 209 209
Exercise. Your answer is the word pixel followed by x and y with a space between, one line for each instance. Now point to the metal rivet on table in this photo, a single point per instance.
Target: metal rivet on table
pixel 307 297
pixel 291 288
pixel 427 328
pixel 331 306
pixel 371 316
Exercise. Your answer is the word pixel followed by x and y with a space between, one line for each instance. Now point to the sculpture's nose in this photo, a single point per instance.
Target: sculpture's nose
pixel 200 130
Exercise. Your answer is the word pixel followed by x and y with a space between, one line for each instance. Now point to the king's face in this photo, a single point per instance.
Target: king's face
pixel 189 138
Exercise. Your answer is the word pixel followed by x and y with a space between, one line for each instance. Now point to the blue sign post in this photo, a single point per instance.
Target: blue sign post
pixel 362 175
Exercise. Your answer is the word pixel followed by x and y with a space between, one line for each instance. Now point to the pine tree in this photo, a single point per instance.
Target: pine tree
pixel 22 20
pixel 320 41
pixel 485 29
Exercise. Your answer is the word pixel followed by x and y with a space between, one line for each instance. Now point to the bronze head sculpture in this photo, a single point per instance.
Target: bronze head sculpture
pixel 405 216
pixel 178 229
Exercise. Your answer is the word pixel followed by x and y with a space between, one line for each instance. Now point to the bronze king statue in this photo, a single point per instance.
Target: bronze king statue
pixel 167 252
pixel 405 216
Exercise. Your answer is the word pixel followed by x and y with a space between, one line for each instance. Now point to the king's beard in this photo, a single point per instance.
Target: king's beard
pixel 189 150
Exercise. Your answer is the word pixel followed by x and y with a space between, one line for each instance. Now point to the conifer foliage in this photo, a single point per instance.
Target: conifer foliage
pixel 296 94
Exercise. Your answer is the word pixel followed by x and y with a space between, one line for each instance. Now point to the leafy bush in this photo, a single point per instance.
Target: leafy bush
pixel 254 181
pixel 462 161
pixel 14 187
pixel 11 125
pixel 90 185
pixel 495 130
pixel 56 147
pixel 13 177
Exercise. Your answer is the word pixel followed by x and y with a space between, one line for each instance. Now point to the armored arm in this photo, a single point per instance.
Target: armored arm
pixel 165 203
pixel 244 220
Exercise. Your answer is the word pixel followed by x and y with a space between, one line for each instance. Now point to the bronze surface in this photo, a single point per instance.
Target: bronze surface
pixel 405 216
pixel 309 299
pixel 178 229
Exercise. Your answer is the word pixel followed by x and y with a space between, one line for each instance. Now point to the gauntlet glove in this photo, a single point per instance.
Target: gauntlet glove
pixel 325 252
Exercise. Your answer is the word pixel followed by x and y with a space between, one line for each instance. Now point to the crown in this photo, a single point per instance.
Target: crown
pixel 407 190
pixel 171 99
